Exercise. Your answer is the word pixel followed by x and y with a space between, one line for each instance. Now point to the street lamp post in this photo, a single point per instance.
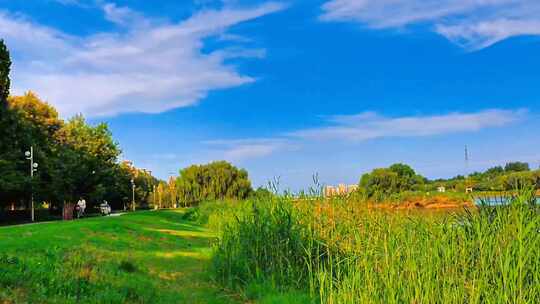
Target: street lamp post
pixel 154 193
pixel 173 196
pixel 133 194
pixel 33 168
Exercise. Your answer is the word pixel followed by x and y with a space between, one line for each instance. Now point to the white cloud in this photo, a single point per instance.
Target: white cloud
pixel 152 66
pixel 361 127
pixel 474 24
pixel 123 16
pixel 483 34
pixel 244 149
pixel 370 125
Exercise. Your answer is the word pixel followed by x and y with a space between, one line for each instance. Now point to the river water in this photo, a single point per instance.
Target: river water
pixel 495 201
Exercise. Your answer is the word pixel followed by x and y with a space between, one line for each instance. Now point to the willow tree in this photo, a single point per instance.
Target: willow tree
pixel 214 181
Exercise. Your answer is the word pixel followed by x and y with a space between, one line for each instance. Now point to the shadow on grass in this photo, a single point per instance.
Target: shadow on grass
pixel 146 257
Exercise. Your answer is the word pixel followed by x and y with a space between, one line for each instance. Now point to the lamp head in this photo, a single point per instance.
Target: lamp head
pixel 35 165
pixel 27 154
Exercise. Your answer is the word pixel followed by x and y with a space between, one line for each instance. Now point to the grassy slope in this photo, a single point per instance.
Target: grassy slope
pixel 150 257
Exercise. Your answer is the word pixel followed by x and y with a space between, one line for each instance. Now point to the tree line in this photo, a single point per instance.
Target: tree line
pixel 77 159
pixel 74 158
pixel 399 178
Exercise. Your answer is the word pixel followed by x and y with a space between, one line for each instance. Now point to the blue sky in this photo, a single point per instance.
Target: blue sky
pixel 292 88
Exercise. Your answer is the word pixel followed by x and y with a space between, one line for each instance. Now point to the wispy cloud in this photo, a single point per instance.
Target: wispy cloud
pixel 244 149
pixel 150 66
pixel 123 16
pixel 473 24
pixel 362 127
pixel 370 125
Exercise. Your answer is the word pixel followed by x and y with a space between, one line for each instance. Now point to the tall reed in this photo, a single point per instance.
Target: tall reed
pixel 341 252
pixel 263 243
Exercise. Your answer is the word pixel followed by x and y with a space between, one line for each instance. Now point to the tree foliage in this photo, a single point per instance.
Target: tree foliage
pixel 75 158
pixel 14 137
pixel 217 180
pixel 516 167
pixel 397 178
pixel 380 182
pixel 78 159
pixel 5 67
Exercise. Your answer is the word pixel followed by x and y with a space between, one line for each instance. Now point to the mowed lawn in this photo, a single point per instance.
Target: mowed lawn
pixel 144 257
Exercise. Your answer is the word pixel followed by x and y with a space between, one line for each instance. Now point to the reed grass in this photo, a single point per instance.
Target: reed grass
pixel 338 251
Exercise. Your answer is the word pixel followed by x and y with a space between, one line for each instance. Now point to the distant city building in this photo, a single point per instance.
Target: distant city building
pixel 341 189
pixel 352 188
pixel 329 191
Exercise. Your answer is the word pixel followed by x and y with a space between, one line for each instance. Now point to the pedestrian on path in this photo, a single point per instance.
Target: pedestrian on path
pixel 81 207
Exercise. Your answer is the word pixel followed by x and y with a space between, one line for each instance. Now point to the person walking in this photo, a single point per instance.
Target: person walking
pixel 81 206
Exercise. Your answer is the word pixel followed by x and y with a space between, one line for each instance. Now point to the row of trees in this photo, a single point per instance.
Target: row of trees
pixel 76 159
pixel 513 175
pixel 214 181
pixel 399 178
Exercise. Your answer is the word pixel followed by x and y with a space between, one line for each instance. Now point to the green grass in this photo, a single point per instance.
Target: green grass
pixel 278 250
pixel 144 257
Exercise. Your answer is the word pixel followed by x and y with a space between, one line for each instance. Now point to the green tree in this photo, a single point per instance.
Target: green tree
pixel 120 186
pixel 516 167
pixel 37 124
pixel 494 171
pixel 407 177
pixel 171 193
pixel 521 180
pixel 380 183
pixel 5 67
pixel 403 170
pixel 75 158
pixel 394 179
pixel 14 179
pixel 145 183
pixel 217 180
pixel 87 157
